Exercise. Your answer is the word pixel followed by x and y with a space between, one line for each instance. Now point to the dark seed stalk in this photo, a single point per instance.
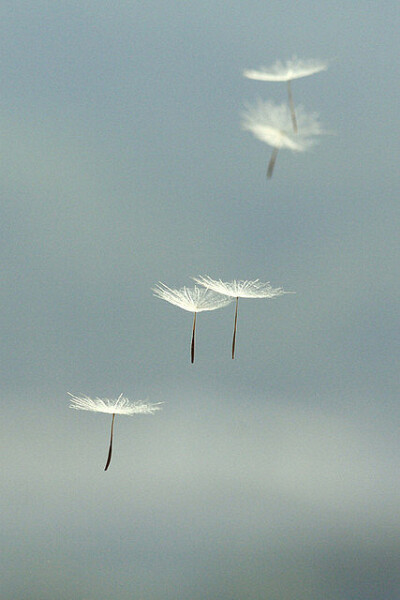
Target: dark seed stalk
pixel 111 442
pixel 271 163
pixel 192 344
pixel 234 328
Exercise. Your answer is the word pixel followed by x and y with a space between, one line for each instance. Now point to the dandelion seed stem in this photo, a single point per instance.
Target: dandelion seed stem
pixel 192 344
pixel 234 328
pixel 291 105
pixel 271 163
pixel 111 441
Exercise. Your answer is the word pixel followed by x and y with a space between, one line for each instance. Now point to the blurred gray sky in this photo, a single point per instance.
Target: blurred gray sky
pixel 124 163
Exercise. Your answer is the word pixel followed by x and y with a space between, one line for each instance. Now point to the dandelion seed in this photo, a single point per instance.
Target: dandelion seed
pixel 239 289
pixel 271 124
pixel 121 406
pixel 195 300
pixel 292 69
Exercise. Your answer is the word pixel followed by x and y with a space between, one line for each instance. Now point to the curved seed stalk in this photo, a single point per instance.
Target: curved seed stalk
pixel 111 442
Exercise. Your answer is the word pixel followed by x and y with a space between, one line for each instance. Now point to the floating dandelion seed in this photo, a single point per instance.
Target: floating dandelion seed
pixel 292 69
pixel 271 124
pixel 196 299
pixel 121 406
pixel 239 289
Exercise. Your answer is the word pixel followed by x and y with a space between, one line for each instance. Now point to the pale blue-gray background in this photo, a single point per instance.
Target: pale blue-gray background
pixel 123 162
